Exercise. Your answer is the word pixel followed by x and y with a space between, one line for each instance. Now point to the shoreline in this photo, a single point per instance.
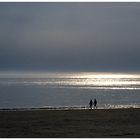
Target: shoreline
pixel 69 108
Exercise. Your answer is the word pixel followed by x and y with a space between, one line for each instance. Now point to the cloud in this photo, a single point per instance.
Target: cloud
pixel 83 36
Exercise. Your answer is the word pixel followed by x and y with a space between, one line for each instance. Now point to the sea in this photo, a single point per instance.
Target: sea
pixel 69 90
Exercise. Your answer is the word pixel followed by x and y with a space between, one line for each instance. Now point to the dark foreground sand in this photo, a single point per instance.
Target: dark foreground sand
pixel 70 123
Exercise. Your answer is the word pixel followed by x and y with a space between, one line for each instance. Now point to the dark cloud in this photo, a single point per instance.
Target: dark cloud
pixel 69 36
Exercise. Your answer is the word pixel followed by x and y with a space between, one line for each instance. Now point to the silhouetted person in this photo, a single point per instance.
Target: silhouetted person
pixel 95 103
pixel 90 104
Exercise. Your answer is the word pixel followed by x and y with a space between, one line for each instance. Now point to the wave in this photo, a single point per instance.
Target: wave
pixel 108 106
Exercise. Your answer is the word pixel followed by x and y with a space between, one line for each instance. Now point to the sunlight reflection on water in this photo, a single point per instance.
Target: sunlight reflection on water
pixel 82 80
pixel 113 90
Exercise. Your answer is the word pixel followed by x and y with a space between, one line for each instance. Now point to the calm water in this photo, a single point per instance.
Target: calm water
pixel 69 89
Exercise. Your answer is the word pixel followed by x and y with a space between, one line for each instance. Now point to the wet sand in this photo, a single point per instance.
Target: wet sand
pixel 70 123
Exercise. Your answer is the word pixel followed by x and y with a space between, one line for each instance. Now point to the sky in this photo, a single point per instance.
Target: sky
pixel 70 36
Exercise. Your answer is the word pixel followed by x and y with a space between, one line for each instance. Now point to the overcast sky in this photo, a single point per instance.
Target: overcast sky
pixel 70 36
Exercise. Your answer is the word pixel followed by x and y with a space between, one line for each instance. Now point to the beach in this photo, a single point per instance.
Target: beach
pixel 98 123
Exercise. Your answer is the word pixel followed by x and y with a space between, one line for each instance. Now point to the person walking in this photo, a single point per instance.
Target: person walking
pixel 90 104
pixel 95 103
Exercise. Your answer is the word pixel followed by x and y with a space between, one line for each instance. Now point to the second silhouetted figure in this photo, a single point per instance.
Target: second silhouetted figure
pixel 90 104
pixel 95 103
